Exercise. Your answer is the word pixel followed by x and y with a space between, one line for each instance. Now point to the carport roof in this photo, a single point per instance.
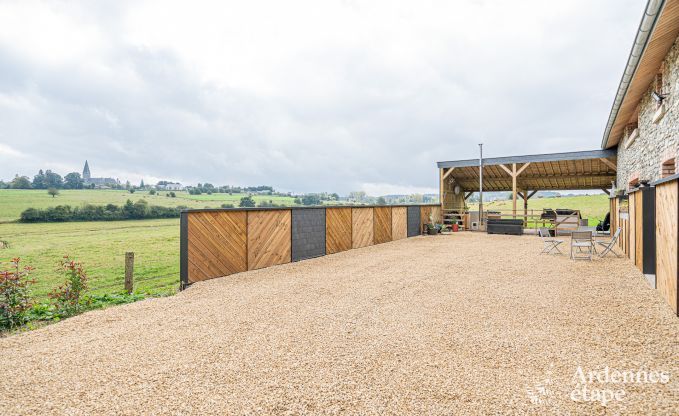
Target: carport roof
pixel 594 169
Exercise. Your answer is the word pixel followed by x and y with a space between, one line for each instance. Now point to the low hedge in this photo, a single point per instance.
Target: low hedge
pixel 130 211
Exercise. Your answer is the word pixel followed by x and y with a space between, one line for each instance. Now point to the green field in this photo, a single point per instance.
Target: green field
pixel 101 246
pixel 14 201
pixel 592 207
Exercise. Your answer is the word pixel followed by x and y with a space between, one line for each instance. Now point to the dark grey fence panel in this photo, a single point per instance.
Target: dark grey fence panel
pixel 308 233
pixel 413 221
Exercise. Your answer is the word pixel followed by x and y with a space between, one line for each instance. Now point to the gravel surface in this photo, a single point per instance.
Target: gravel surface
pixel 459 324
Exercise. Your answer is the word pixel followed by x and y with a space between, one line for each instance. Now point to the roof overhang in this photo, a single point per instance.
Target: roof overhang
pixel 657 32
pixel 594 169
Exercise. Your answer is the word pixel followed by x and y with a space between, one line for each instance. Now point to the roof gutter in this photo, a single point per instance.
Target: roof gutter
pixel 648 21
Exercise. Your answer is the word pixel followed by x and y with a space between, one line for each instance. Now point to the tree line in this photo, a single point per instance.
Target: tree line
pixel 129 211
pixel 45 180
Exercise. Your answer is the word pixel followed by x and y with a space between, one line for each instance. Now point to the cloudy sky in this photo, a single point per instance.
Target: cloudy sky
pixel 303 95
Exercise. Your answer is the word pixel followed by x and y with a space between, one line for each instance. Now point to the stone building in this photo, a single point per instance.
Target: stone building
pixel 643 125
pixel 88 180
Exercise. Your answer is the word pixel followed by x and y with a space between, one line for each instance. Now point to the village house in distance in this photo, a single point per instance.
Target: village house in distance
pixel 89 181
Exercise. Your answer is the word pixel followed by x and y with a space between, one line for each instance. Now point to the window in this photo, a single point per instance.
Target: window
pixel 668 168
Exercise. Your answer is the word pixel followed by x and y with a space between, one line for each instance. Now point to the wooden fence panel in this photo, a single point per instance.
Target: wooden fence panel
pixel 436 214
pixel 337 230
pixel 639 230
pixel 216 244
pixel 362 227
pixel 399 223
pixel 631 230
pixel 269 238
pixel 382 224
pixel 425 212
pixel 666 238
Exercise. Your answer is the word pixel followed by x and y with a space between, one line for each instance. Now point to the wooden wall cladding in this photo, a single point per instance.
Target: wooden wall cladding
pixel 639 230
pixel 666 238
pixel 216 244
pixel 269 238
pixel 425 213
pixel 382 224
pixel 631 239
pixel 436 214
pixel 337 230
pixel 399 223
pixel 362 227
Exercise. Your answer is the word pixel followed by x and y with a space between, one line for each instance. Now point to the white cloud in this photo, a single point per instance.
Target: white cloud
pixel 304 95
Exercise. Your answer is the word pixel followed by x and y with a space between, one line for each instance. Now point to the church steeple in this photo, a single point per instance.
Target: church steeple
pixel 86 172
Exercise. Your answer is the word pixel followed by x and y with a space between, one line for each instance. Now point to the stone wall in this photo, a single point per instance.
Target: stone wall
pixel 656 142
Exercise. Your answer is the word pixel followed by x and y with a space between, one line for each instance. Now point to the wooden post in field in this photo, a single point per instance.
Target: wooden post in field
pixel 129 272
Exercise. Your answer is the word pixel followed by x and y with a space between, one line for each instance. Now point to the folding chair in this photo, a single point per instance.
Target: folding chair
pixel 609 245
pixel 582 245
pixel 549 243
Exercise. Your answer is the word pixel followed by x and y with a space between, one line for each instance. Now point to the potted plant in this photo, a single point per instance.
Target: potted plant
pixel 432 229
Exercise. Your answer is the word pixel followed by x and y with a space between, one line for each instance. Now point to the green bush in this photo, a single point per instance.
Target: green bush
pixel 65 213
pixel 68 297
pixel 15 302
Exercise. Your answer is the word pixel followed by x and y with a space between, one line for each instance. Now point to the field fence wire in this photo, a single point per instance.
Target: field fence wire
pixel 149 269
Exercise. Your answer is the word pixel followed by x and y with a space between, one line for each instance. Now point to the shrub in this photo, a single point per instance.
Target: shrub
pixel 69 296
pixel 14 295
pixel 227 206
pixel 172 195
pixel 246 201
pixel 152 192
pixel 31 215
pixel 138 210
pixel 132 190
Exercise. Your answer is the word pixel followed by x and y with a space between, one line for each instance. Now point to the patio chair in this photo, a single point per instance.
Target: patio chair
pixel 609 245
pixel 549 243
pixel 582 245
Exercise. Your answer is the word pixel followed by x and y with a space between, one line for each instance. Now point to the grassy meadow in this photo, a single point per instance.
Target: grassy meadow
pixel 592 207
pixel 14 201
pixel 101 246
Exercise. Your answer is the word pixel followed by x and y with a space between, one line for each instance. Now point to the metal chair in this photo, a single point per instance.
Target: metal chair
pixel 582 245
pixel 609 245
pixel 549 243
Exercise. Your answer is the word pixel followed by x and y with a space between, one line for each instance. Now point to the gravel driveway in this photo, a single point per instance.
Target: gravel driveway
pixel 460 324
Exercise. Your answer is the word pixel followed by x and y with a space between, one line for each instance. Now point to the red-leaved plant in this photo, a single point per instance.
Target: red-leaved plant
pixel 69 296
pixel 15 295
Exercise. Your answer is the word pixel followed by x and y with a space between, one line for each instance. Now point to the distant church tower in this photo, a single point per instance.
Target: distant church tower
pixel 86 172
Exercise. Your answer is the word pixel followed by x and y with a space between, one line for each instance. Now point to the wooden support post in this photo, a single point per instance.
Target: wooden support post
pixel 441 196
pixel 129 272
pixel 514 190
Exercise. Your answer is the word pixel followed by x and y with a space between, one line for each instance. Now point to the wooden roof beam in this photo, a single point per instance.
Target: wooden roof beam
pixel 609 163
pixel 448 172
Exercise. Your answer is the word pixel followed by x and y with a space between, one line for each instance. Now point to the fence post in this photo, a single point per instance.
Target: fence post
pixel 129 272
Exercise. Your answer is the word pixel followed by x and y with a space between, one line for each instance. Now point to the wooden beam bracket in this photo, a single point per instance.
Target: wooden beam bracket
pixel 609 163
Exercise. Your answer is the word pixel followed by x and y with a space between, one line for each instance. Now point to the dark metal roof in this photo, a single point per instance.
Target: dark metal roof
pixel 546 157
pixel 592 169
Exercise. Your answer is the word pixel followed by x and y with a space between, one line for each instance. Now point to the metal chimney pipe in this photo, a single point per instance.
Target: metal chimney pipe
pixel 480 184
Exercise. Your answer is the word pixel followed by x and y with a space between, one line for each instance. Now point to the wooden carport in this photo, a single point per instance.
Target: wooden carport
pixel 525 175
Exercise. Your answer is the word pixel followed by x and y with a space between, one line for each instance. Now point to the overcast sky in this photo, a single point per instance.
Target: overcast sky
pixel 303 95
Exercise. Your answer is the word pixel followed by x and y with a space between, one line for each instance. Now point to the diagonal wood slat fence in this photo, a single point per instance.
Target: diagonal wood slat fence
pixel 220 242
